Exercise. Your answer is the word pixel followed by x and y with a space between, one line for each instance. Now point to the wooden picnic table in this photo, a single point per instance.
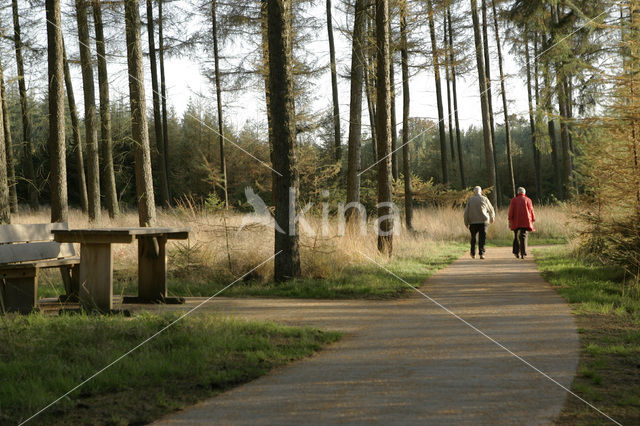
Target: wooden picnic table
pixel 96 262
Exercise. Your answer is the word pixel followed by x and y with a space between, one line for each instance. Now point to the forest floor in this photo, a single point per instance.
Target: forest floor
pixel 409 360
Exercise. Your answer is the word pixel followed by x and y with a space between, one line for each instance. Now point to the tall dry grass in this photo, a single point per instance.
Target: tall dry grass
pixel 222 248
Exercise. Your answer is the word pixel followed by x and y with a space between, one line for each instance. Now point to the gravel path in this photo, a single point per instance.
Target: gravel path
pixel 410 361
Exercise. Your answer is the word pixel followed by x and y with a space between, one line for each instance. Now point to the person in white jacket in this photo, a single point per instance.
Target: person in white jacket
pixel 478 214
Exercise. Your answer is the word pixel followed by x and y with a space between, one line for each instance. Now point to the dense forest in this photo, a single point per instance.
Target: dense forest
pixel 575 60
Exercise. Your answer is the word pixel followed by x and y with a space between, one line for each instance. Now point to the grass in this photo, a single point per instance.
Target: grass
pixel 44 357
pixel 607 310
pixel 334 265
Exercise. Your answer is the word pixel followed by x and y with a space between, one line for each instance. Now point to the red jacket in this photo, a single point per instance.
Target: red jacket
pixel 521 213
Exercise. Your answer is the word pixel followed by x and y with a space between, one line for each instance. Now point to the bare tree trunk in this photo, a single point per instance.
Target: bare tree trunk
pixel 57 143
pixel 287 260
pixel 91 131
pixel 551 124
pixel 536 75
pixel 157 116
pixel 507 128
pixel 334 87
pixel 27 152
pixel 77 139
pixel 487 70
pixel 406 160
pixel 223 163
pixel 455 99
pixel 532 121
pixel 139 128
pixel 486 123
pixel 163 92
pixel 383 128
pixel 436 71
pixel 394 128
pixel 106 142
pixel 6 125
pixel 369 84
pixel 5 210
pixel 355 110
pixel 265 74
pixel 447 67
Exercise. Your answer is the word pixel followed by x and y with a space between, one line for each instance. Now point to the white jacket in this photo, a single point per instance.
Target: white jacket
pixel 478 210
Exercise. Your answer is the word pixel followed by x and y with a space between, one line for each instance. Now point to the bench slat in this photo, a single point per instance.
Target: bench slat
pixel 11 253
pixel 29 232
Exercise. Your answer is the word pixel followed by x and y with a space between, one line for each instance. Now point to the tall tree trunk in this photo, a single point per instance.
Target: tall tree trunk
pixel 216 58
pixel 507 127
pixel 447 68
pixel 91 130
pixel 5 210
pixel 369 83
pixel 334 87
pixel 287 260
pixel 77 139
pixel 157 114
pixel 550 121
pixel 6 125
pixel 106 141
pixel 57 145
pixel 163 94
pixel 265 74
pixel 455 100
pixel 406 160
pixel 27 151
pixel 383 128
pixel 436 70
pixel 562 108
pixel 532 121
pixel 536 94
pixel 394 127
pixel 139 127
pixel 355 110
pixel 486 123
pixel 487 70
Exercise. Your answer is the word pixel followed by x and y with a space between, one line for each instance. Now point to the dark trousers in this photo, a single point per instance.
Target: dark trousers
pixel 520 241
pixel 479 229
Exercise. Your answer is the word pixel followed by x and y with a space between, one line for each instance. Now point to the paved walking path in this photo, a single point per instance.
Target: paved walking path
pixel 409 361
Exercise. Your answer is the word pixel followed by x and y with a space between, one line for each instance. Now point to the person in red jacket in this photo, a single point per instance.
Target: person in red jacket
pixel 521 220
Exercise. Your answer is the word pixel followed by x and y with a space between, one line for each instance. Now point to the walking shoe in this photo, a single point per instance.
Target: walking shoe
pixel 523 256
pixel 516 255
pixel 482 256
pixel 473 256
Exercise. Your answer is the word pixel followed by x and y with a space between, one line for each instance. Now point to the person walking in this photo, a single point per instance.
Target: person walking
pixel 478 214
pixel 521 220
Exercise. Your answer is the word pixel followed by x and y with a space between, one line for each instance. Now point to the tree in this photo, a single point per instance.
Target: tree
pixel 6 125
pixel 27 152
pixel 223 164
pixel 482 82
pixel 447 68
pixel 383 128
pixel 106 140
pixel 157 113
pixel 283 127
pixel 504 99
pixel 455 98
pixel 436 71
pixel 57 147
pixel 334 87
pixel 406 160
pixel 163 94
pixel 532 120
pixel 487 71
pixel 355 108
pixel 77 139
pixel 139 128
pixel 5 211
pixel 91 130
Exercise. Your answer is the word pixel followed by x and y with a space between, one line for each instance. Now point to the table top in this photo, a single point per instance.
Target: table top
pixel 117 234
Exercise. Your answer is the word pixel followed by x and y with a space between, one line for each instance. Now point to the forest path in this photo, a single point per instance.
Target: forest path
pixel 409 361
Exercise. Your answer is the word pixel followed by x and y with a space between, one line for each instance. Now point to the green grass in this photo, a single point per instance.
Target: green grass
pixel 365 280
pixel 41 358
pixel 533 240
pixel 607 310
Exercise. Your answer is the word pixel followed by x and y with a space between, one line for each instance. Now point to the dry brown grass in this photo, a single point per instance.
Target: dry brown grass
pixel 220 248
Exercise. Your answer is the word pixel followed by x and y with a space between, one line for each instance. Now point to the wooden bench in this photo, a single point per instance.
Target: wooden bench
pixel 24 250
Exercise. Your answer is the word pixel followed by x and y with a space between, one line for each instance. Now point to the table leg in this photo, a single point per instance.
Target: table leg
pixel 96 277
pixel 152 269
